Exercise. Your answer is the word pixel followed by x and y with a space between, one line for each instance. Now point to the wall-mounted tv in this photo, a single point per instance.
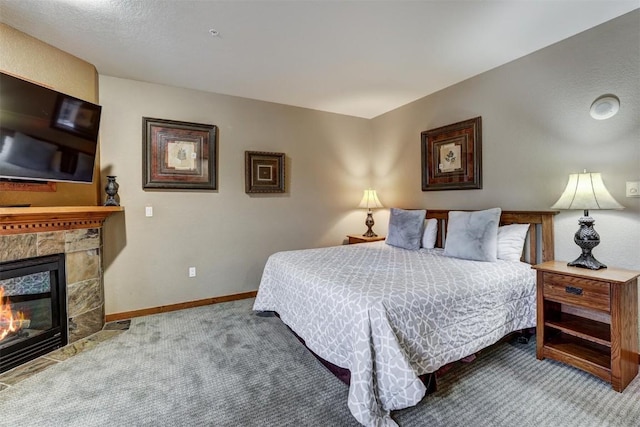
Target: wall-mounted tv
pixel 45 135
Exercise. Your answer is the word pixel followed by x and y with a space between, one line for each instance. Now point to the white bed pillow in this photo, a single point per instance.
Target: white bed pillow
pixel 430 233
pixel 511 241
pixel 405 228
pixel 473 235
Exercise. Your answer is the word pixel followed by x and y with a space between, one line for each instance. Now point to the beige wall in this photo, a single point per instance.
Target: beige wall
pixel 226 234
pixel 32 59
pixel 536 131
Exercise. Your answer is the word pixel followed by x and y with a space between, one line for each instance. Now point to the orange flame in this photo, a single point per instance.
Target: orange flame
pixel 9 322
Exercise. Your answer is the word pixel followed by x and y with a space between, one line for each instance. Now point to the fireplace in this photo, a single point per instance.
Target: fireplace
pixel 37 233
pixel 33 309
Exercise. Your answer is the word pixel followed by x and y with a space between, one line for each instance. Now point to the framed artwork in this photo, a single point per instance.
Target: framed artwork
pixel 178 155
pixel 264 172
pixel 76 117
pixel 452 156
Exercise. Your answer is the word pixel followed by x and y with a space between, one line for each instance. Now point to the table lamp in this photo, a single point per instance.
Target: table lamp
pixel 586 191
pixel 370 200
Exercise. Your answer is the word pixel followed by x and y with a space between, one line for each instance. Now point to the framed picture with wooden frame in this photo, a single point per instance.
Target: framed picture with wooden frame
pixel 264 172
pixel 179 155
pixel 452 156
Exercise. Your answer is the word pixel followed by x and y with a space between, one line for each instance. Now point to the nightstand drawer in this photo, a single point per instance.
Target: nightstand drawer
pixel 577 291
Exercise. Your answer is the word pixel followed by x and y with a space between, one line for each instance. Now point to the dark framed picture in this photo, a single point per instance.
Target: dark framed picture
pixel 178 155
pixel 264 172
pixel 77 117
pixel 452 156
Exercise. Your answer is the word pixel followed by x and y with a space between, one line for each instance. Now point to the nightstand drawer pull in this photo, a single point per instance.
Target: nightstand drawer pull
pixel 573 290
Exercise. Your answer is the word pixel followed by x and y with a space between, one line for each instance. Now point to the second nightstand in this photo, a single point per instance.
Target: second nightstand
pixel 357 238
pixel 589 319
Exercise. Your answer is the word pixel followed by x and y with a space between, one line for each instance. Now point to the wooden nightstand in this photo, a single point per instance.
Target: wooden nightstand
pixel 589 319
pixel 358 238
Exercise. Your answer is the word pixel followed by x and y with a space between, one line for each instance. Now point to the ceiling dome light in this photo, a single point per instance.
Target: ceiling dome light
pixel 605 107
pixel 214 32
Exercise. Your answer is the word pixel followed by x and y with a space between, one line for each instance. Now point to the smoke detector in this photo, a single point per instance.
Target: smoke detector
pixel 605 107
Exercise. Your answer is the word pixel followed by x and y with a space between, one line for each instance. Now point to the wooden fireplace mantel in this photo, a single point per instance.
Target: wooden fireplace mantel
pixel 53 218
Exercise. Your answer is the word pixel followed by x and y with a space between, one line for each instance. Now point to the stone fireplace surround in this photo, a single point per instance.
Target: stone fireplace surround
pixel 74 231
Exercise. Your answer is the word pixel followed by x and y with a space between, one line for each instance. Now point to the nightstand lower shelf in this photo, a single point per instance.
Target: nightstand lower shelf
pixel 580 327
pixel 588 356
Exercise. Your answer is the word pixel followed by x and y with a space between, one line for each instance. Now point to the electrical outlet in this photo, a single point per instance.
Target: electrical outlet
pixel 633 188
pixel 192 272
pixel 148 211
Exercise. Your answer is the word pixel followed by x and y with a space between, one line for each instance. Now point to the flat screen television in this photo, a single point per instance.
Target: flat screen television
pixel 45 135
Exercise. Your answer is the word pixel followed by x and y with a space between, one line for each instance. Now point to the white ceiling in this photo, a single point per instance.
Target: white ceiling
pixel 361 58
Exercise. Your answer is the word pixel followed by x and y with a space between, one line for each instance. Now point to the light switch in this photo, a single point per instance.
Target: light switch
pixel 148 211
pixel 633 188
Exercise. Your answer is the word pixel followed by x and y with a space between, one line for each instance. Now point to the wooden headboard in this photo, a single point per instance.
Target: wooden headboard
pixel 539 244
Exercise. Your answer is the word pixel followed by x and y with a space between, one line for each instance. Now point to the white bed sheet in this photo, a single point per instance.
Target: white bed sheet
pixel 389 314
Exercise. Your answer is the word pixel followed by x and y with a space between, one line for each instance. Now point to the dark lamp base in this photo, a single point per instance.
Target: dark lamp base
pixel 369 223
pixel 587 238
pixel 587 261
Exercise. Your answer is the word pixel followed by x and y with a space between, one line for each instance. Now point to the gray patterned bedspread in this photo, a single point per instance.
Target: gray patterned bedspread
pixel 390 314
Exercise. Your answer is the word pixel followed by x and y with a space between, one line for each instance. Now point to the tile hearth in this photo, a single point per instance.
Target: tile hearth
pixel 22 372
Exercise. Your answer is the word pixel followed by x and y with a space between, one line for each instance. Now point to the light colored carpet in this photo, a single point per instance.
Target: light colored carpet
pixel 222 365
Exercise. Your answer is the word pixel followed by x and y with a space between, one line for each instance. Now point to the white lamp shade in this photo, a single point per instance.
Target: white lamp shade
pixel 586 191
pixel 370 200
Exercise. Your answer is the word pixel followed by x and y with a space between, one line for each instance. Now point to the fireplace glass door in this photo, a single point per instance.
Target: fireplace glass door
pixel 32 309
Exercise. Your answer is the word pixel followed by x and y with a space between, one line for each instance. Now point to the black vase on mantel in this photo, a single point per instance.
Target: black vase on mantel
pixel 112 191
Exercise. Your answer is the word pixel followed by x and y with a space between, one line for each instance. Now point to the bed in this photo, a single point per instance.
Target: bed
pixel 390 315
